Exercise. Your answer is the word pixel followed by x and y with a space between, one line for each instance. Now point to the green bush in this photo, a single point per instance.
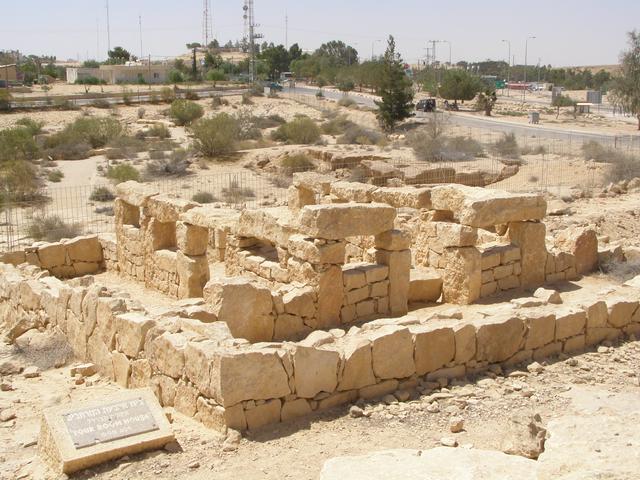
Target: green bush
pixel 175 76
pixel 507 146
pixel 191 95
pixel 216 76
pixel 5 100
pixel 297 163
pixel 203 197
pixel 216 136
pixel 300 131
pixel 34 127
pixel 185 112
pixel 158 130
pixel 19 181
pixel 126 97
pixel 337 125
pixel 51 228
pixel 271 121
pixel 124 147
pixel 73 142
pixel 123 173
pixel 167 95
pixel 17 143
pixel 55 176
pixel 463 148
pixel 347 102
pixel 102 194
pixel 176 165
pixel 247 129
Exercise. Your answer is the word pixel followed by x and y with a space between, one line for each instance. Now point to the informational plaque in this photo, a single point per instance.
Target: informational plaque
pixel 106 423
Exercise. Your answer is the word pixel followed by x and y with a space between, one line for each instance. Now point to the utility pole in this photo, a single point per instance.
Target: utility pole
pixel 140 24
pixel 253 36
pixel 508 65
pixel 206 22
pixel 97 39
pixel 286 30
pixel 108 29
pixel 526 48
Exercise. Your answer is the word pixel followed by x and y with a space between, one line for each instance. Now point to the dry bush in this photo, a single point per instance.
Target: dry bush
pixel 507 146
pixel 247 129
pixel 300 131
pixel 623 167
pixel 123 173
pixel 17 143
pixel 125 147
pixel 191 95
pixel 102 194
pixel 204 198
pixel 34 127
pixel 347 102
pixel 185 112
pixel 157 130
pixel 101 103
pixel 51 228
pixel 272 121
pixel 537 150
pixel 167 95
pixel 234 193
pixel 357 135
pixel 217 102
pixel 246 99
pixel 337 125
pixel 55 176
pixel 462 148
pixel 216 136
pixel 96 132
pixel 297 163
pixel 176 165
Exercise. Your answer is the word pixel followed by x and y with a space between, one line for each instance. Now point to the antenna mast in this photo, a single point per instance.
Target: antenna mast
pixel 207 30
pixel 250 25
pixel 108 29
pixel 140 23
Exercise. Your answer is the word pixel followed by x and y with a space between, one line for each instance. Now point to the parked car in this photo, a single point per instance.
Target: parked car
pixel 275 86
pixel 426 105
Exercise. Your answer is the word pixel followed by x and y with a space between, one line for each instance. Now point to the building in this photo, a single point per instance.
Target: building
pixel 8 74
pixel 113 74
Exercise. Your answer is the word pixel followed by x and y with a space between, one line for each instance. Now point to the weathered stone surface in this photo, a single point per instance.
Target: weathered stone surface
pixel 620 310
pixel 300 302
pixel 238 375
pixel 442 463
pixel 379 390
pixel 499 338
pixel 315 371
pixel 583 244
pixel 392 352
pixel 312 252
pixel 530 237
pixel 399 264
pixel 193 275
pixel 191 239
pixel 462 278
pixel 265 414
pixel 134 193
pixel 338 221
pixel 295 409
pixel 465 339
pixel 329 297
pixel 52 255
pixel 167 354
pixel 425 285
pixel 399 197
pixel 434 347
pixel 244 306
pixel 167 208
pixel 357 370
pixel 352 191
pixel 274 225
pixel 569 322
pixel 480 207
pixel 132 329
pixel 541 324
pixel 393 240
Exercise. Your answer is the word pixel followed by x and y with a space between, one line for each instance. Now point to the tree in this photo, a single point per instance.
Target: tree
pixel 395 89
pixel 191 46
pixel 459 85
pixel 295 52
pixel 486 101
pixel 212 60
pixel 91 64
pixel 338 52
pixel 214 44
pixel 626 86
pixel 276 60
pixel 118 56
pixel 562 101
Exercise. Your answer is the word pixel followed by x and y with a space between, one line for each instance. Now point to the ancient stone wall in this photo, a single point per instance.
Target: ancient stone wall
pixel 198 367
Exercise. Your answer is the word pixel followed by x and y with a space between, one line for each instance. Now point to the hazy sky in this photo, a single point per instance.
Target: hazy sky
pixel 569 32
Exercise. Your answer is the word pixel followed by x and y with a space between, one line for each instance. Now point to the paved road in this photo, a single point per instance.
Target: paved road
pixel 472 121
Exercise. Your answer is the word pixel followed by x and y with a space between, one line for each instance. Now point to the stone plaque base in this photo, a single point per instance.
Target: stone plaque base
pixel 75 437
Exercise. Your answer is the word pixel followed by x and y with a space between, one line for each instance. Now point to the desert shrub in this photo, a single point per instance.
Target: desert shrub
pixel 246 99
pixel 105 210
pixel 462 148
pixel 5 100
pixel 185 112
pixel 17 143
pixel 247 129
pixel 154 98
pixel 124 147
pixel 217 102
pixel 203 197
pixel 123 173
pixel 19 181
pixel 537 150
pixel 191 95
pixel 216 136
pixel 593 150
pixel 65 104
pixel 101 194
pixel 156 154
pixel 126 97
pixel 623 167
pixel 301 130
pixel 281 181
pixel 55 176
pixel 159 130
pixel 100 103
pixel 141 112
pixel 271 121
pixel 167 95
pixel 297 163
pixel 347 102
pixel 96 132
pixel 51 228
pixel 235 193
pixel 256 90
pixel 175 76
pixel 337 125
pixel 355 134
pixel 33 127
pixel 507 146
pixel 176 165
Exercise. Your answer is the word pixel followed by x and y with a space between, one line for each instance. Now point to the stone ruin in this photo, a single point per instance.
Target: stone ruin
pixel 279 312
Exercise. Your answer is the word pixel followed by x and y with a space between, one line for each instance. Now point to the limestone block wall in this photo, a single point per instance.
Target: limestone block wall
pixel 366 291
pixel 65 259
pixel 501 268
pixel 202 371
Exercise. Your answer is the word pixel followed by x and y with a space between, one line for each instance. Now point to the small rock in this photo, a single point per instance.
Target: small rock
pixel 572 362
pixel 403 395
pixel 195 464
pixel 79 380
pixel 602 349
pixel 456 424
pixel 31 372
pixel 517 374
pixel 173 447
pixel 10 367
pixel 85 370
pixel 448 442
pixel 6 387
pixel 433 408
pixel 535 367
pixel 7 415
pixel 356 412
pixel 390 400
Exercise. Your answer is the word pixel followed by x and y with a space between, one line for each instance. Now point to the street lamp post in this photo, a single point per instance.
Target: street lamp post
pixel 508 65
pixel 526 48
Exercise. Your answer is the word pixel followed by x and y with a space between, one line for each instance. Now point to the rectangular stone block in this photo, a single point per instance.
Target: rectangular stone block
pixel 191 239
pixel 339 221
